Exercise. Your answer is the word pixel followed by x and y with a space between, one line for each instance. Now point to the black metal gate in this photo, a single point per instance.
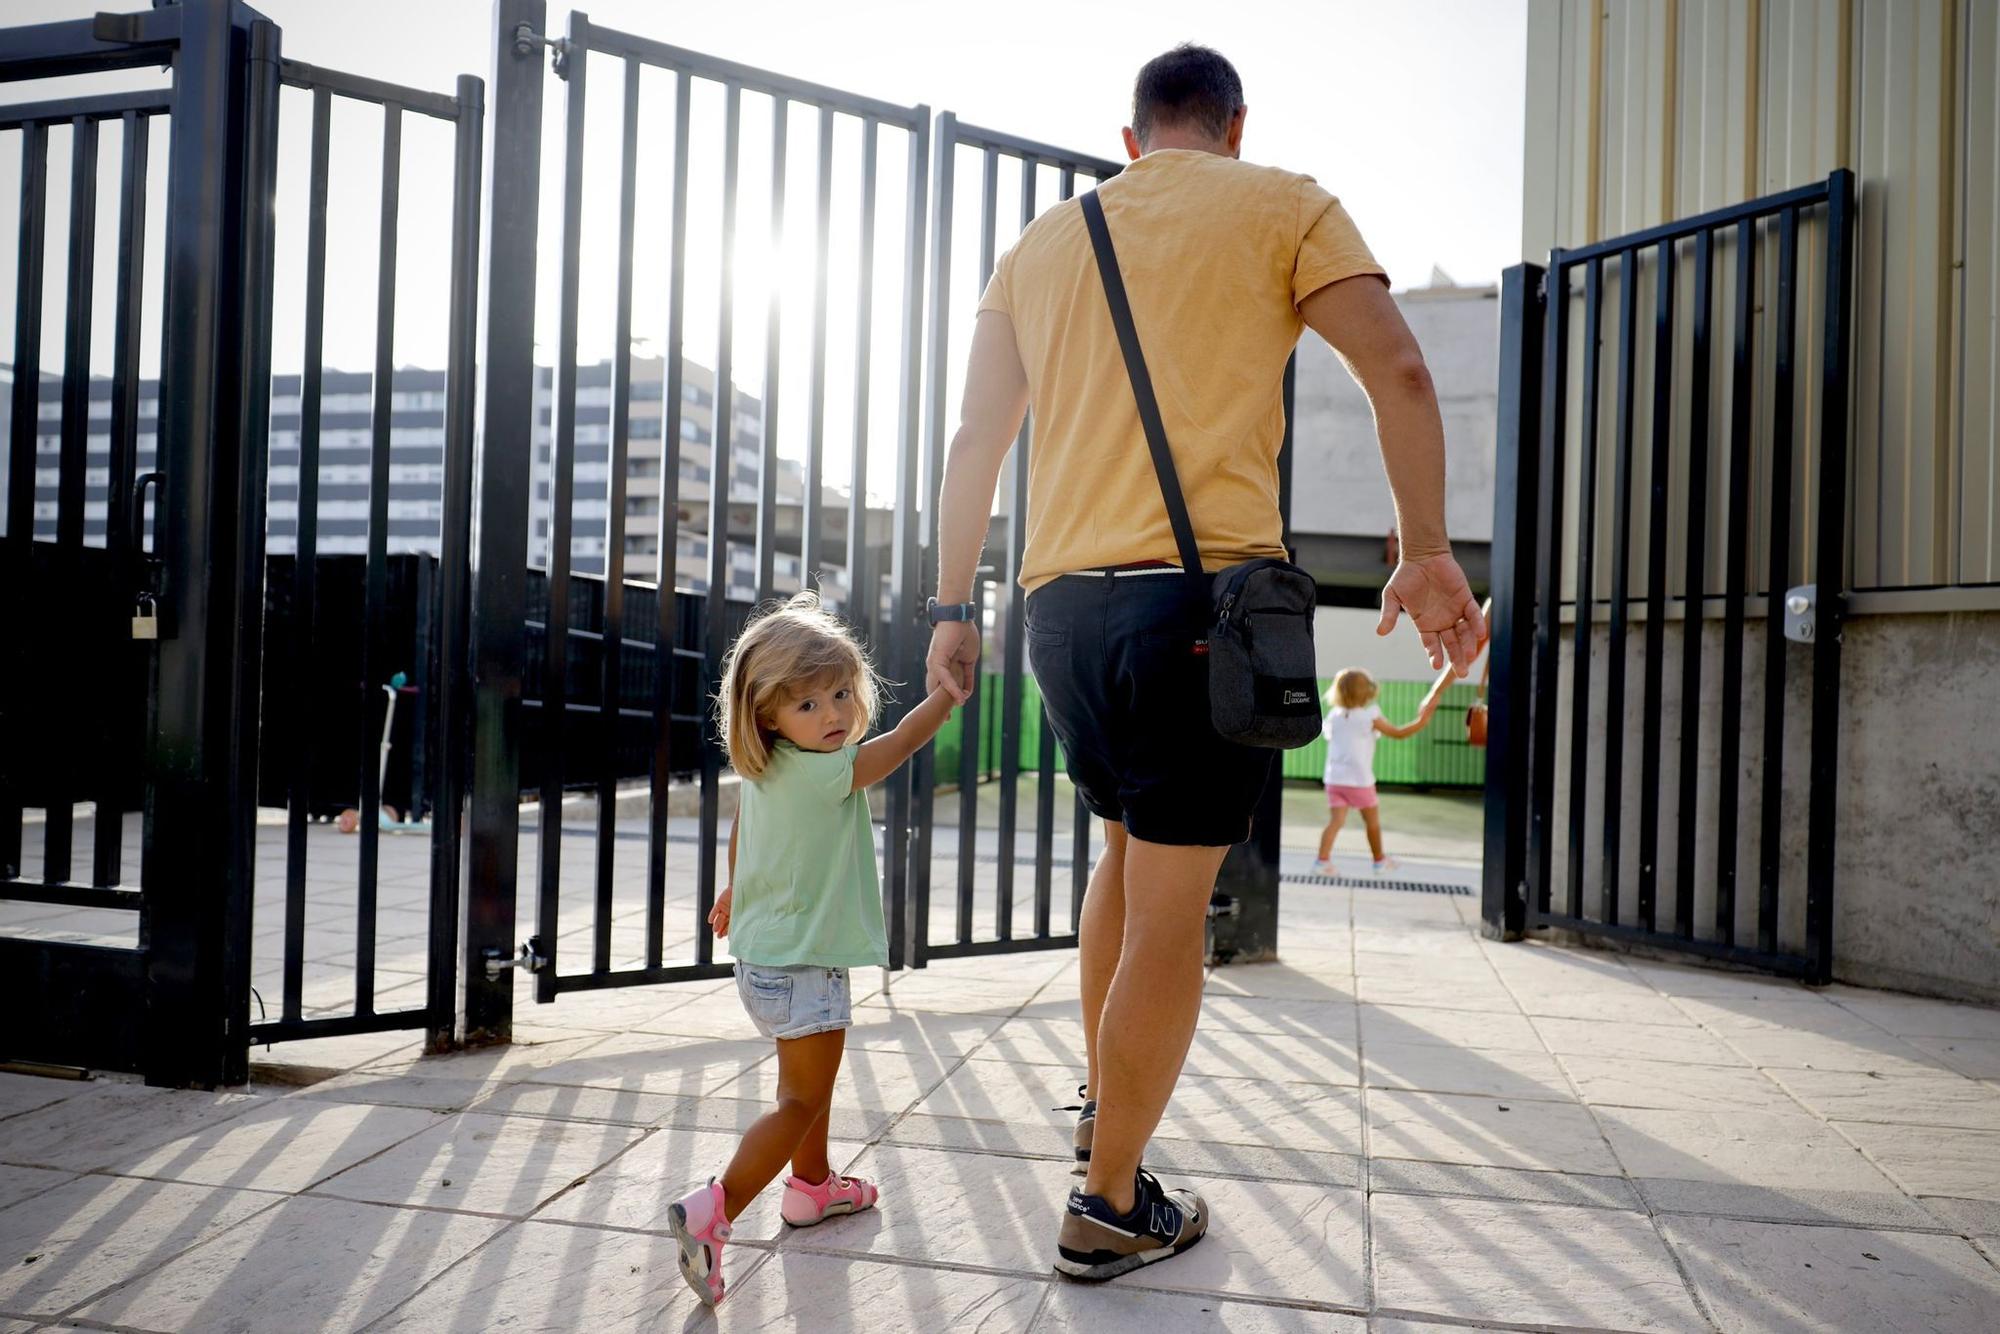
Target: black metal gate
pixel 538 665
pixel 167 992
pixel 1562 792
pixel 1039 166
pixel 140 681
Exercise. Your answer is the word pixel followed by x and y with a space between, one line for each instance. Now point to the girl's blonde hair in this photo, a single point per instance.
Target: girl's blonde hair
pixel 1351 689
pixel 789 648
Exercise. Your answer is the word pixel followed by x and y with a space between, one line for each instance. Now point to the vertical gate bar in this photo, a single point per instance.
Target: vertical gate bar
pixel 1045 741
pixel 124 715
pixel 909 940
pixel 1621 584
pixel 666 633
pixel 1742 440
pixel 1079 865
pixel 375 599
pixel 1012 660
pixel 1516 492
pixel 503 467
pixel 1586 550
pixel 305 566
pixel 923 766
pixel 75 448
pixel 767 468
pixel 76 423
pixel 812 517
pixel 75 430
pixel 1653 678
pixel 715 627
pixel 968 785
pixel 611 660
pixel 1549 479
pixel 562 500
pixel 24 422
pixel 249 380
pixel 1694 586
pixel 1830 577
pixel 451 696
pixel 864 603
pixel 1771 810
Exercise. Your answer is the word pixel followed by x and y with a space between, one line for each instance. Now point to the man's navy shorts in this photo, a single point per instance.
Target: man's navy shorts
pixel 1127 696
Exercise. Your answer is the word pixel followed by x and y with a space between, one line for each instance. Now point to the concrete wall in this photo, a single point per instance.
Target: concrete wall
pixel 1337 479
pixel 1917 890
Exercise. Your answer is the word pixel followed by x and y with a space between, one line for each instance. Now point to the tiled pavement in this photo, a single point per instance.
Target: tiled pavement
pixel 1401 1127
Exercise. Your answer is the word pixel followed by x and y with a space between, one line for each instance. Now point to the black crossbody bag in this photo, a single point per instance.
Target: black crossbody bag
pixel 1263 686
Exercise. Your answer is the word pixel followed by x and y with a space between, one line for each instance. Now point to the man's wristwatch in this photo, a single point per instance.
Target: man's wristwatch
pixel 935 611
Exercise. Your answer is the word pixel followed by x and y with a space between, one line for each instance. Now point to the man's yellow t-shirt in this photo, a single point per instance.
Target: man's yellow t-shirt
pixel 1216 254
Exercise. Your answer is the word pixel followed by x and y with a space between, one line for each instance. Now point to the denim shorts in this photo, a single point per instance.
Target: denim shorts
pixel 796 1001
pixel 1127 696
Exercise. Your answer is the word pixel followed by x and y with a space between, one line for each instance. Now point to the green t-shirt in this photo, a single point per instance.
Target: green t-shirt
pixel 807 891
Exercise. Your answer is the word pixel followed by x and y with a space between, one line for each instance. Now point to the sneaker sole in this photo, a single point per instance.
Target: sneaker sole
pixel 1088 1269
pixel 691 1249
pixel 832 1211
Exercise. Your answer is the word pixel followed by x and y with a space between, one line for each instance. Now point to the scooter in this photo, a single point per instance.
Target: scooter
pixel 350 820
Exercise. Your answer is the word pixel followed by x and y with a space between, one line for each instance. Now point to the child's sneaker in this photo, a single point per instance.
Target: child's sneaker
pixel 1323 866
pixel 1384 865
pixel 700 1226
pixel 1097 1243
pixel 806 1204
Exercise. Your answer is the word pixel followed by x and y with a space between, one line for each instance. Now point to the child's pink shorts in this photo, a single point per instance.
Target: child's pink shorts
pixel 1339 795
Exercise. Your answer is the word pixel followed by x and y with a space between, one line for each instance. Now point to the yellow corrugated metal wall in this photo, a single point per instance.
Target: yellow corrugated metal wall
pixel 1640 112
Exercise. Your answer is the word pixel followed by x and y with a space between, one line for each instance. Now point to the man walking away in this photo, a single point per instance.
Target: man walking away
pixel 1226 264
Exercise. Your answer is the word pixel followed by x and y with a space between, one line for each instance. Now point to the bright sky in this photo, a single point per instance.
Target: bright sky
pixel 1410 112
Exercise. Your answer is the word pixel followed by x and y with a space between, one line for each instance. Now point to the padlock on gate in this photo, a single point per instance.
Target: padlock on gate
pixel 146 618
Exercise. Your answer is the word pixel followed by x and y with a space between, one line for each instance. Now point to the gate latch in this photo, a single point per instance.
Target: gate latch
pixel 1801 609
pixel 530 959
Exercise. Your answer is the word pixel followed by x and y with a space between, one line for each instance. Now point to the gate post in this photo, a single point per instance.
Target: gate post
pixel 215 392
pixel 502 465
pixel 1503 898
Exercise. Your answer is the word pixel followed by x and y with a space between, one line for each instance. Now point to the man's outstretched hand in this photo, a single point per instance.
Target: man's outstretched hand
pixel 1435 594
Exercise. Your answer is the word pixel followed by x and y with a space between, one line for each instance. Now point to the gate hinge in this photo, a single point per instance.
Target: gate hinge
pixel 1223 905
pixel 530 959
pixel 526 39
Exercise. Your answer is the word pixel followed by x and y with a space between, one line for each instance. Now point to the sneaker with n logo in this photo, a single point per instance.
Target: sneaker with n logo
pixel 1097 1242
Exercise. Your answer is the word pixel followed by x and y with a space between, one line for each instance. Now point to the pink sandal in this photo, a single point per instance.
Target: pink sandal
pixel 700 1227
pixel 806 1204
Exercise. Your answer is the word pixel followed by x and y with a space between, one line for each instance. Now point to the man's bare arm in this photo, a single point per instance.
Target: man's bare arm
pixel 1360 321
pixel 996 399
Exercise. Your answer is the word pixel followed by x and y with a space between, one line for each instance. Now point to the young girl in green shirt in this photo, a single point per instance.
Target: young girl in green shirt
pixel 797 696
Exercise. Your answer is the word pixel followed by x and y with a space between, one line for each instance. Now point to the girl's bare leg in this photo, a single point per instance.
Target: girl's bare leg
pixel 806 1070
pixel 1335 818
pixel 1371 818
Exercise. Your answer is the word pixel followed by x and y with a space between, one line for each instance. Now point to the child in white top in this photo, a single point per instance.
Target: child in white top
pixel 1353 721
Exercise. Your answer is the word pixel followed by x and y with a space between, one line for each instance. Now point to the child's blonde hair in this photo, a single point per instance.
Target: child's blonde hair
pixel 789 648
pixel 1351 689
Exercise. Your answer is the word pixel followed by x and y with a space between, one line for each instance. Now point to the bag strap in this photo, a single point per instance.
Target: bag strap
pixel 1142 392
